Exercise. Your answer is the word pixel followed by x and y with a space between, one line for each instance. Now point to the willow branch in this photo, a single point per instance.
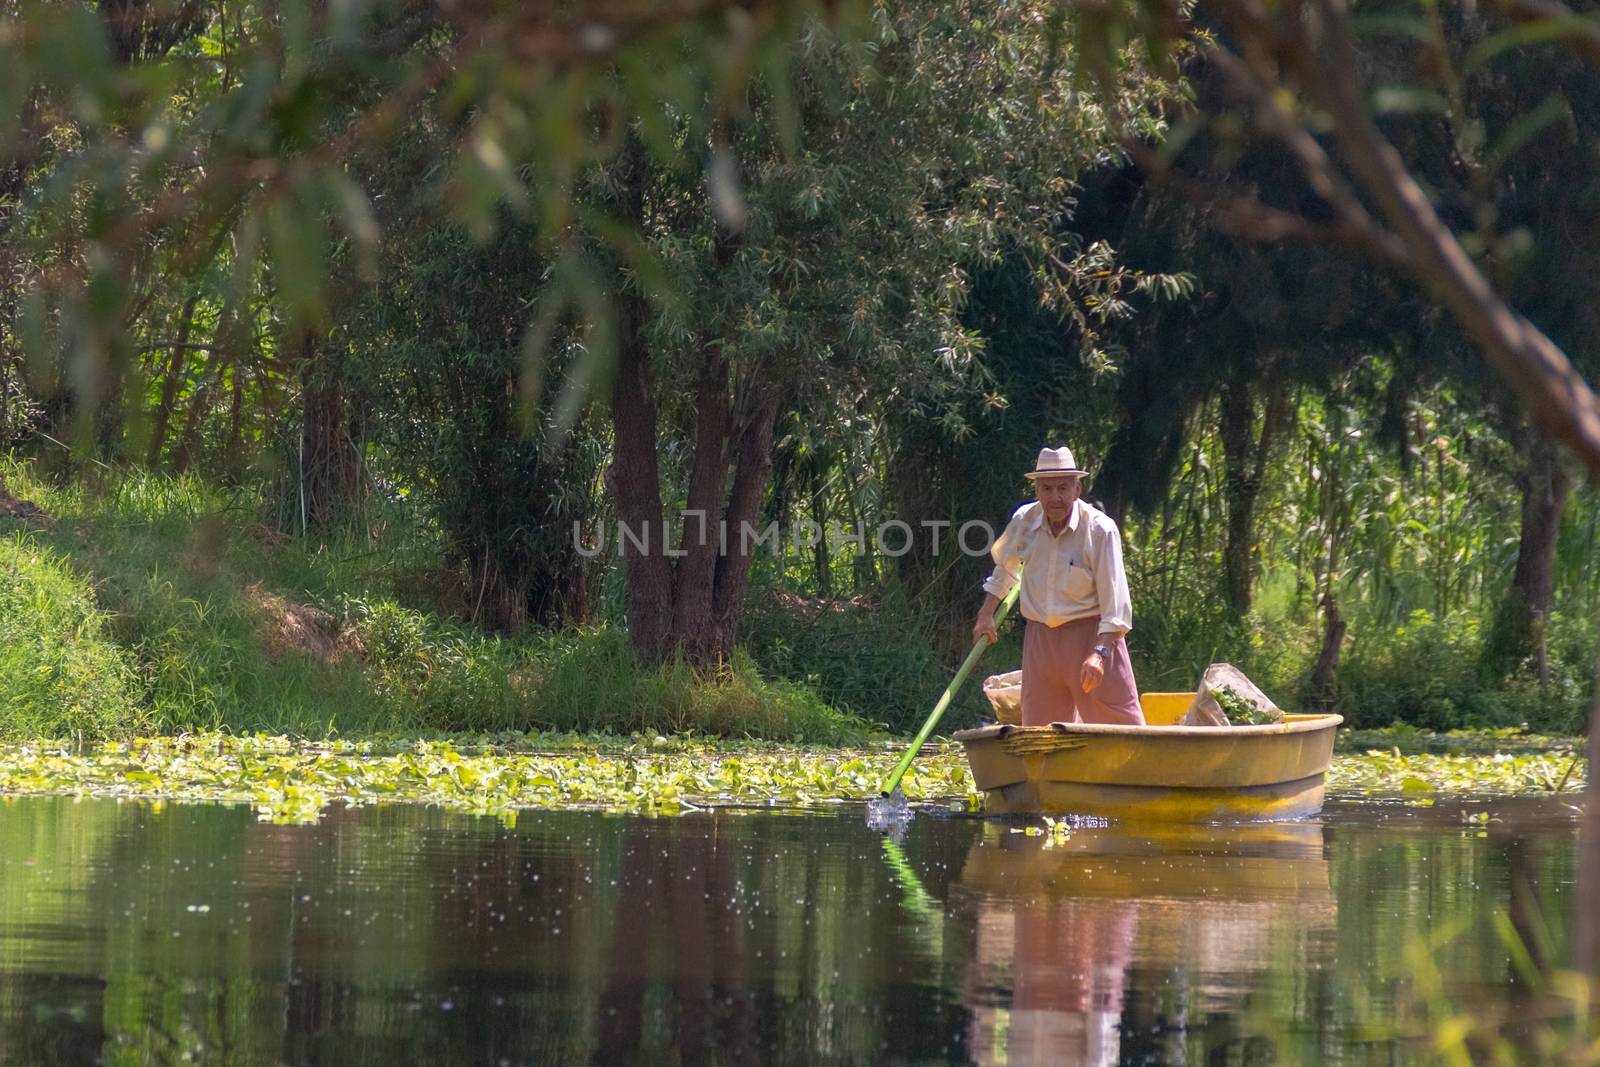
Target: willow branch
pixel 1536 369
pixel 1275 120
pixel 1249 219
pixel 1585 38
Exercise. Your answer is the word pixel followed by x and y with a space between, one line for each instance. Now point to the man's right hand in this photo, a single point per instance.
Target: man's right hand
pixel 984 627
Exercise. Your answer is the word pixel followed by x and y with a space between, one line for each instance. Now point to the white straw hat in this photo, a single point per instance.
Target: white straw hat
pixel 1055 461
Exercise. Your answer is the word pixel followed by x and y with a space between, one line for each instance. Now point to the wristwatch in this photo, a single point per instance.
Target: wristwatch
pixel 1105 653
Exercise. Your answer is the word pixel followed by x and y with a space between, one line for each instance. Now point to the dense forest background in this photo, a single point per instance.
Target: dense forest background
pixel 329 332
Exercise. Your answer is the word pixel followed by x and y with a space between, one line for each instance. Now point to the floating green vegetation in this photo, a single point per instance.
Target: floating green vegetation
pixel 1476 741
pixel 289 781
pixel 294 781
pixel 1420 776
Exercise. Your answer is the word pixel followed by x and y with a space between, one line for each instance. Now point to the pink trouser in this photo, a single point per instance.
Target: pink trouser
pixel 1052 670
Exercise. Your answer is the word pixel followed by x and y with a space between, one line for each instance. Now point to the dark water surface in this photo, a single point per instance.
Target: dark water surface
pixel 193 933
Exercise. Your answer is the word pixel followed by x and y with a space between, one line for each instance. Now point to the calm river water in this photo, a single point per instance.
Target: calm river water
pixel 193 933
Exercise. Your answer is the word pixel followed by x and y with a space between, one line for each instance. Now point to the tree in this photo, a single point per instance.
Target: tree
pixel 836 287
pixel 1294 69
pixel 186 133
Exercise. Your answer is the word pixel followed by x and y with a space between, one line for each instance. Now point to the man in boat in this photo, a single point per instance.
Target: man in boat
pixel 1075 665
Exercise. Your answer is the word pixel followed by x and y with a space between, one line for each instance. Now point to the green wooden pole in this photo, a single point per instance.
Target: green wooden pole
pixel 890 783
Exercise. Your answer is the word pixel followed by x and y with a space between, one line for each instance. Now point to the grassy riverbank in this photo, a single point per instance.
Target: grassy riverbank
pixel 156 605
pixel 292 781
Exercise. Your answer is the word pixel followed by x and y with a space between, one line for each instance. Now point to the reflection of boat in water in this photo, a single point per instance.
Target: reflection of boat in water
pixel 1277 863
pixel 1160 771
pixel 1061 924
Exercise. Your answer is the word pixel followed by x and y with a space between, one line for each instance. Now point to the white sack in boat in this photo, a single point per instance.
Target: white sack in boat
pixel 1205 710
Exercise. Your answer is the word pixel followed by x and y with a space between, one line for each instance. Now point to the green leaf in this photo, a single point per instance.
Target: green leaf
pixel 1537 31
pixel 639 83
pixel 15 88
pixel 486 150
pixel 1414 27
pixel 76 53
pixel 1553 109
pixel 294 25
pixel 1173 144
pixel 1408 99
pixel 297 243
pixel 650 272
pixel 354 211
pixel 784 114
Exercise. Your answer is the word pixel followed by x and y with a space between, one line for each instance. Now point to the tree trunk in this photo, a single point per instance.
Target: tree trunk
pixel 744 506
pixel 1245 456
pixel 691 602
pixel 189 442
pixel 330 465
pixel 233 452
pixel 1320 689
pixel 695 572
pixel 1544 484
pixel 1588 897
pixel 635 479
pixel 1236 431
pixel 821 562
pixel 171 382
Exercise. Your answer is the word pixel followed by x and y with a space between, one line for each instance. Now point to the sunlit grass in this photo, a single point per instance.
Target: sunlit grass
pixel 189 599
pixel 587 680
pixel 60 674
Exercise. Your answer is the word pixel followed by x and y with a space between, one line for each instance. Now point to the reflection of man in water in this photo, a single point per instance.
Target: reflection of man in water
pixel 1068 960
pixel 1210 913
pixel 1066 996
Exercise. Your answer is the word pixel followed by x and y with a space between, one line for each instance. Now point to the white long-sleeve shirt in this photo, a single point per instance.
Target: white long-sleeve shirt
pixel 1075 574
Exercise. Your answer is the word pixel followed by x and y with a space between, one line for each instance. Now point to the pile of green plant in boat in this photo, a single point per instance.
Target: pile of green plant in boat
pixel 1242 712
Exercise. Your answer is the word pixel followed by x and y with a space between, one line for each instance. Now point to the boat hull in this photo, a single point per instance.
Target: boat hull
pixel 1285 800
pixel 1162 773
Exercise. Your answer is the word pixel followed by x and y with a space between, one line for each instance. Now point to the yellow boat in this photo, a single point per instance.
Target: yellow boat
pixel 1160 771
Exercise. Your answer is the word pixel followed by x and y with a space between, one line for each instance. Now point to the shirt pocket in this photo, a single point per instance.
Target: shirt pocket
pixel 1080 583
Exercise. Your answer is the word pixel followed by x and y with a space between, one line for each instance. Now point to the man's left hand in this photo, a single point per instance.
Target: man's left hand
pixel 1094 670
